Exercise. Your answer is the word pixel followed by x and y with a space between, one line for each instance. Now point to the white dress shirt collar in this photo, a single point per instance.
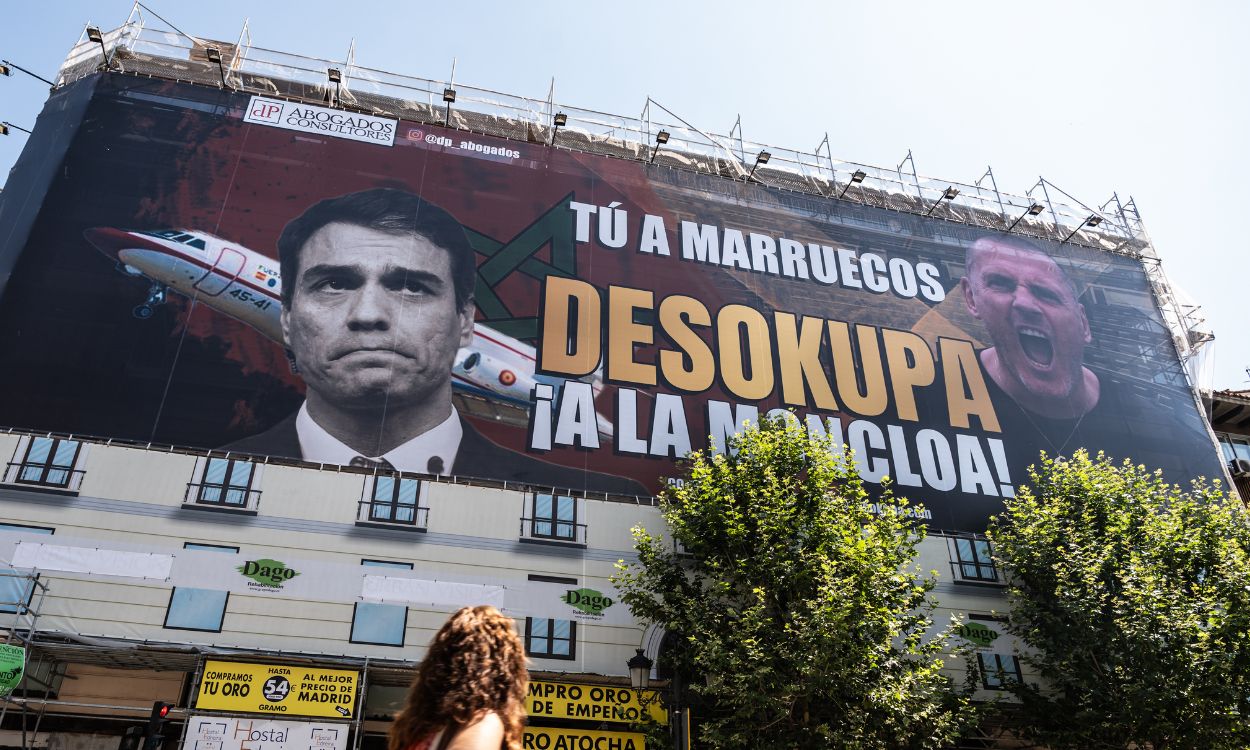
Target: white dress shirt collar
pixel 442 441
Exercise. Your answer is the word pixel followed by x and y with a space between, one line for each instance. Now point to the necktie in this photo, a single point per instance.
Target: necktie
pixel 372 463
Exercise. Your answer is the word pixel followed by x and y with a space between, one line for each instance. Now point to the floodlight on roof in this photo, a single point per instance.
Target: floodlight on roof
pixel 7 67
pixel 4 128
pixel 94 35
pixel 1033 210
pixel 949 194
pixel 1093 221
pixel 449 96
pixel 335 76
pixel 856 178
pixel 660 139
pixel 214 56
pixel 558 120
pixel 760 158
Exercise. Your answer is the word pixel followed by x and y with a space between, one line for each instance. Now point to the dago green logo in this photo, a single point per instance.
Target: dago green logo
pixel 977 633
pixel 266 572
pixel 587 600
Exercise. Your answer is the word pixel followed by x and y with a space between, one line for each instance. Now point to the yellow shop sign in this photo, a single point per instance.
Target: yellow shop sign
pixel 551 738
pixel 277 689
pixel 560 700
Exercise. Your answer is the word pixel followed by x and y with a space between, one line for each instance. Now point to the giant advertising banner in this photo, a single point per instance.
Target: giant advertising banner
pixel 216 270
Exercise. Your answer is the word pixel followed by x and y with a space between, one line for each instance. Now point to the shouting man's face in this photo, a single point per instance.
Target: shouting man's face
pixel 1028 307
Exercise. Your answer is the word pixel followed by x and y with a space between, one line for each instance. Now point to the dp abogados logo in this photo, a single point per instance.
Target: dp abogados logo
pixel 264 110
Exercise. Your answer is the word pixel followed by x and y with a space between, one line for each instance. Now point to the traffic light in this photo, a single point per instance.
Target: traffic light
pixel 154 736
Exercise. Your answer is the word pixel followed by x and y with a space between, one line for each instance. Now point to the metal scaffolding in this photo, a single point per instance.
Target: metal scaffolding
pixel 148 45
pixel 24 593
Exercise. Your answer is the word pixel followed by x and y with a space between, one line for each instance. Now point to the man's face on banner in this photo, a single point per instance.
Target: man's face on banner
pixel 373 318
pixel 1028 307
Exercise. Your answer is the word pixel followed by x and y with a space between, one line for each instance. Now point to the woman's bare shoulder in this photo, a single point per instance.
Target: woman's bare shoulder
pixel 485 733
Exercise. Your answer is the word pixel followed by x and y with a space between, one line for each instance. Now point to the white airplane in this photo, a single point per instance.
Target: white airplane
pixel 247 286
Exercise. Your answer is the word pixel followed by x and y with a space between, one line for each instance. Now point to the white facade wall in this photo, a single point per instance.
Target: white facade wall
pixel 136 499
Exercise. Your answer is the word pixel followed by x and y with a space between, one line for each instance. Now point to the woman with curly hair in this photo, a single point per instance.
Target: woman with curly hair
pixel 469 692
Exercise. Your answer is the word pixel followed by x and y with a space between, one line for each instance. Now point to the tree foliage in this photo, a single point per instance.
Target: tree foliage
pixel 1134 597
pixel 799 616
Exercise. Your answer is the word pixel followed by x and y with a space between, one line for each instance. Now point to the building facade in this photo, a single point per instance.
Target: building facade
pixel 194 511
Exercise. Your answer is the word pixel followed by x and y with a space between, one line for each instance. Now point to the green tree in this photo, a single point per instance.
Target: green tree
pixel 799 616
pixel 1134 598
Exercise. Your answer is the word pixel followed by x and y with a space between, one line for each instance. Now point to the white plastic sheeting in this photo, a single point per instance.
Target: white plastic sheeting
pixel 423 591
pixel 92 561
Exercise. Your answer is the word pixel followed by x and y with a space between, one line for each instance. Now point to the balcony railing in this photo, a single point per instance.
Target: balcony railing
pixel 553 530
pixel 43 475
pixel 224 497
pixel 382 513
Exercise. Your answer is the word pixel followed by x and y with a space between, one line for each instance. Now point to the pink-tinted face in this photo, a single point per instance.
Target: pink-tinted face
pixel 1038 328
pixel 373 318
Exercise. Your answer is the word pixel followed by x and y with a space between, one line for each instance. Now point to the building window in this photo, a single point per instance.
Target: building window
pixel 1234 446
pixel 20 528
pixel 380 624
pixel 17 587
pixel 553 517
pixel 550 639
pixel 1236 450
pixel 998 671
pixel 224 548
pixel 46 462
pixel 394 500
pixel 562 580
pixel 386 564
pixel 225 483
pixel 196 609
pixel 973 561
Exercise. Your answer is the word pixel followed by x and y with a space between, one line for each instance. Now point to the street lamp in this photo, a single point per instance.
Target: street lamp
pixel 639 671
pixel 640 678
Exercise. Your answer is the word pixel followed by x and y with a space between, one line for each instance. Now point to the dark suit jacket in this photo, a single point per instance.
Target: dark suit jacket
pixel 477 457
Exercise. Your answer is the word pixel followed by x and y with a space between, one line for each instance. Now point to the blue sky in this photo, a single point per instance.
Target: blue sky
pixel 1142 98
